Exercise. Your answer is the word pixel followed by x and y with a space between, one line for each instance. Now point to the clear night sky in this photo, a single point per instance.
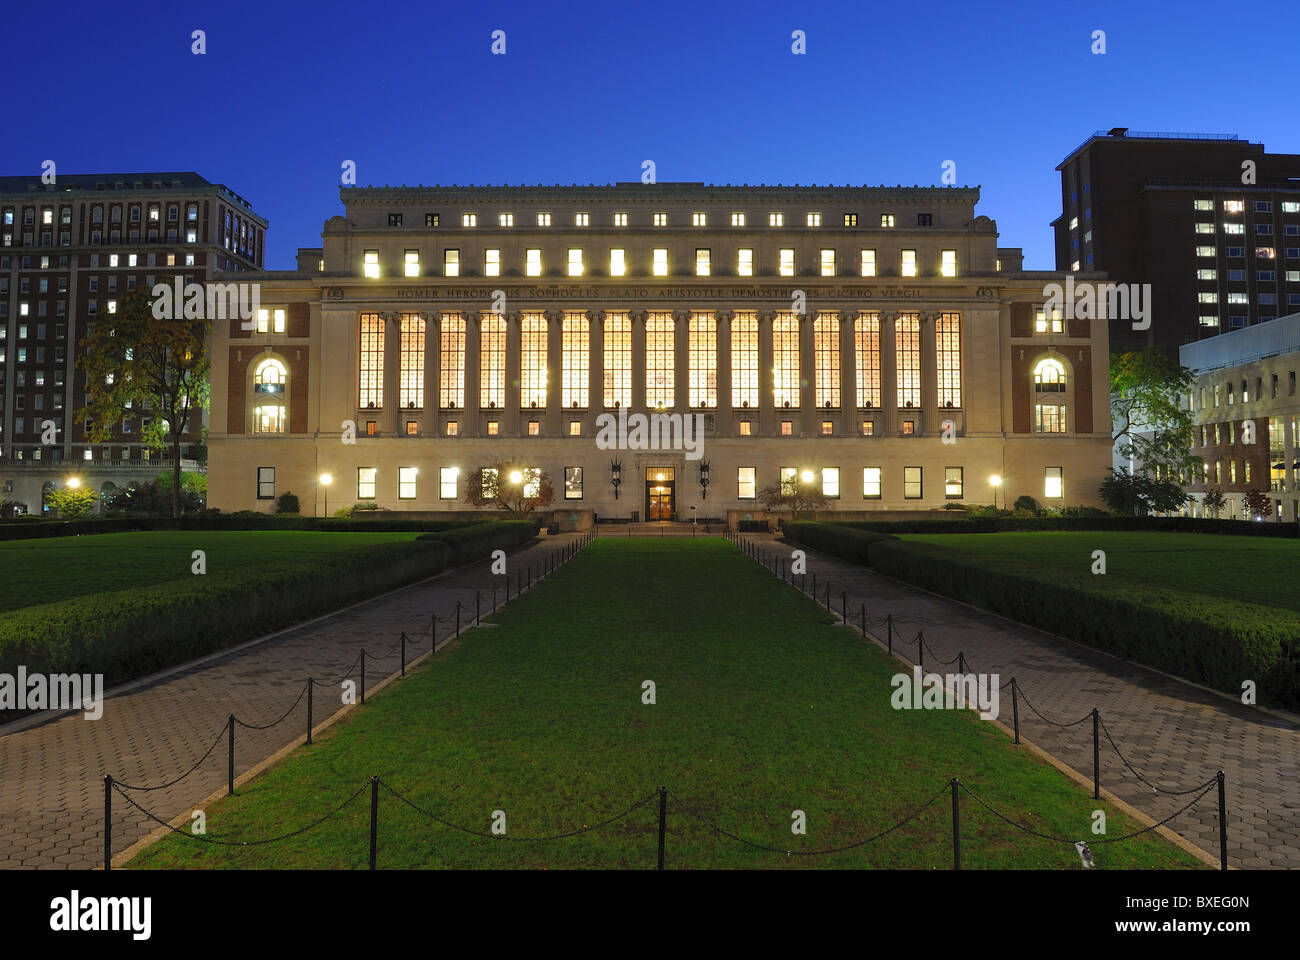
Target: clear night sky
pixel 588 90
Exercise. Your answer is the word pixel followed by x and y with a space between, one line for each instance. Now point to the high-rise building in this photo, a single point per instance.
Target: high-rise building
pixel 875 342
pixel 1210 221
pixel 69 251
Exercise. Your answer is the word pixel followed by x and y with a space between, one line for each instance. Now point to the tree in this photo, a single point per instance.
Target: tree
pixel 1149 424
pixel 12 508
pixel 287 503
pixel 1214 500
pixel 512 487
pixel 150 499
pixel 138 364
pixel 1136 495
pixel 799 496
pixel 1258 504
pixel 73 503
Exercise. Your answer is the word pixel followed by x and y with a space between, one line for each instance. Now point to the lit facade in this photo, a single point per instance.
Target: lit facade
pixel 876 339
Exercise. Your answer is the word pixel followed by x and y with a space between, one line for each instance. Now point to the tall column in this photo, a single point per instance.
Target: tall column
pixel 888 375
pixel 390 417
pixel 850 424
pixel 429 415
pixel 681 361
pixel 469 423
pixel 511 427
pixel 767 415
pixel 809 423
pixel 638 318
pixel 930 416
pixel 596 365
pixel 725 422
pixel 553 422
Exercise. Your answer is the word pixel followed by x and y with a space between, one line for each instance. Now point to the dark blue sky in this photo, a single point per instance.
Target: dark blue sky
pixel 588 90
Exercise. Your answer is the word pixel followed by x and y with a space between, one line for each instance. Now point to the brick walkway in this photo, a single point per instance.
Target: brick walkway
pixel 1176 735
pixel 51 776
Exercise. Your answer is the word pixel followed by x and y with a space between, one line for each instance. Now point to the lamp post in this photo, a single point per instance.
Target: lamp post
pixel 704 480
pixel 995 481
pixel 73 483
pixel 615 475
pixel 325 481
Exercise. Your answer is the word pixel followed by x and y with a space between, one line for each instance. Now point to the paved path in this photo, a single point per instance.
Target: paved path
pixel 1175 734
pixel 51 776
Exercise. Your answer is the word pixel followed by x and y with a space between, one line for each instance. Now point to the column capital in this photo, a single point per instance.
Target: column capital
pixel 848 316
pixel 681 315
pixel 637 316
pixel 889 316
pixel 723 316
pixel 595 316
pixel 929 316
pixel 765 316
pixel 553 316
pixel 471 316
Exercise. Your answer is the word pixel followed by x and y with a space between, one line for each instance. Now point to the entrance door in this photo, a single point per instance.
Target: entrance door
pixel 660 494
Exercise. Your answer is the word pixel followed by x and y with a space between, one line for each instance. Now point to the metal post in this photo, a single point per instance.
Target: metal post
pixel 478 610
pixel 363 674
pixel 519 582
pixel 230 756
pixel 956 829
pixel 961 662
pixel 814 593
pixel 374 819
pixel 310 684
pixel 844 606
pixel 494 595
pixel 803 582
pixel 458 618
pixel 1015 709
pixel 403 653
pixel 663 819
pixel 828 594
pixel 108 823
pixel 1096 756
pixel 530 576
pixel 1223 825
pixel 889 625
pixel 864 620
pixel 920 648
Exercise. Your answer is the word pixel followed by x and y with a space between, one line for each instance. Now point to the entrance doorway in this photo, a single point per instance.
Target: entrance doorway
pixel 660 493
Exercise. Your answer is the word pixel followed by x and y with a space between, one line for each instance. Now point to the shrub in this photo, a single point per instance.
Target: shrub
pixel 11 509
pixel 840 541
pixel 1027 503
pixel 478 540
pixel 73 504
pixel 287 503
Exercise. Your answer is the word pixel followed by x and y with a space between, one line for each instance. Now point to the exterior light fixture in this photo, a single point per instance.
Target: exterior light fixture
pixel 995 481
pixel 325 481
pixel 704 480
pixel 615 474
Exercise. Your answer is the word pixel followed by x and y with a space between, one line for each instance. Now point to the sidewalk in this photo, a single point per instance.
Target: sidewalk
pixel 1175 734
pixel 52 775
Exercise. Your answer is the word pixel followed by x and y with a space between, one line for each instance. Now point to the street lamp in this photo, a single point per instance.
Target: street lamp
pixel 72 483
pixel 516 477
pixel 704 480
pixel 325 481
pixel 995 481
pixel 807 476
pixel 615 475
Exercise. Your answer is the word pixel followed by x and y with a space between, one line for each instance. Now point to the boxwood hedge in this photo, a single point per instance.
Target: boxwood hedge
pixel 845 542
pixel 37 529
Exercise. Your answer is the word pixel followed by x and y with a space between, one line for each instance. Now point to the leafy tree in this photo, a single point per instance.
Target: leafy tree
pixel 140 365
pixel 73 503
pixel 1214 500
pixel 1027 503
pixel 799 496
pixel 1258 504
pixel 1136 495
pixel 512 487
pixel 287 503
pixel 150 499
pixel 1149 423
pixel 12 508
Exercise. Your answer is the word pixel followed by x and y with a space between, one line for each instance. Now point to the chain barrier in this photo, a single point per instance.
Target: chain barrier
pixel 283 716
pixel 163 786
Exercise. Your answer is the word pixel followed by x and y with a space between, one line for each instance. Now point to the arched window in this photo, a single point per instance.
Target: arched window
pixel 269 410
pixel 1049 397
pixel 1049 376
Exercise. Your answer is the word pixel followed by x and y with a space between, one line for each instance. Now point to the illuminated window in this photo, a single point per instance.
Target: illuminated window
pixel 411 261
pixel 868 428
pixel 909 428
pixel 1053 483
pixel 813 220
pixel 745 483
pixel 532 360
pixel 573 483
pixel 699 219
pixel 492 362
pixel 785 360
pixel 826 356
pixel 366 477
pixel 912 483
pixel 412 428
pixel 850 219
pixel 270 320
pixel 371 260
pixel 744 262
pixel 575 261
pixel 746 428
pixel 543 219
pixel 451 362
pixel 582 219
pixel 371 362
pixel 412 362
pixel 451 263
pixel 737 219
pixel 702 334
pixel 660 372
pixel 1049 417
pixel 702 262
pixel 532 263
pixel 828 263
pixel 575 428
pixel 660 262
pixel 618 360
pixel 575 336
pixel 1045 324
pixel 886 219
pixel 269 414
pixel 505 219
pixel 866 336
pixel 406 482
pixel 744 359
pixel 776 219
pixel 534 428
pixel 909 263
pixel 618 262
pixel 907 347
pixel 469 219
pixel 948 263
pixel 660 220
pixel 494 428
pixel 1049 377
pixel 947 338
pixel 828 428
pixel 952 482
pixel 532 481
pixel 372 428
pixel 787 263
pixel 787 428
pixel 491 263
pixel 1233 206
pixel 868 263
pixel 447 480
pixel 452 428
pixel 871 483
pixel 620 219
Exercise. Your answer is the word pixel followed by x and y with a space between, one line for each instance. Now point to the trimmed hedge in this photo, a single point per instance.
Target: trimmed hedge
pixel 130 633
pixel 32 530
pixel 1166 524
pixel 840 540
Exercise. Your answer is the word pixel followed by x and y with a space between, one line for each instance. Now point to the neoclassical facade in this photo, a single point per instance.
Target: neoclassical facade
pixel 873 341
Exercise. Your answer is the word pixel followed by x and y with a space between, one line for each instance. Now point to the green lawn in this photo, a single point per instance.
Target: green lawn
pixel 1240 569
pixel 60 568
pixel 763 707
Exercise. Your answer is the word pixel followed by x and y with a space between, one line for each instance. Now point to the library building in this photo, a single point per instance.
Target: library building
pixel 660 352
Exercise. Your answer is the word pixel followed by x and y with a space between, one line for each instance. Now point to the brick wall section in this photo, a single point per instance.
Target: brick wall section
pixel 298 320
pixel 1082 385
pixel 1021 359
pixel 298 383
pixel 1022 320
pixel 235 390
pixel 1079 327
